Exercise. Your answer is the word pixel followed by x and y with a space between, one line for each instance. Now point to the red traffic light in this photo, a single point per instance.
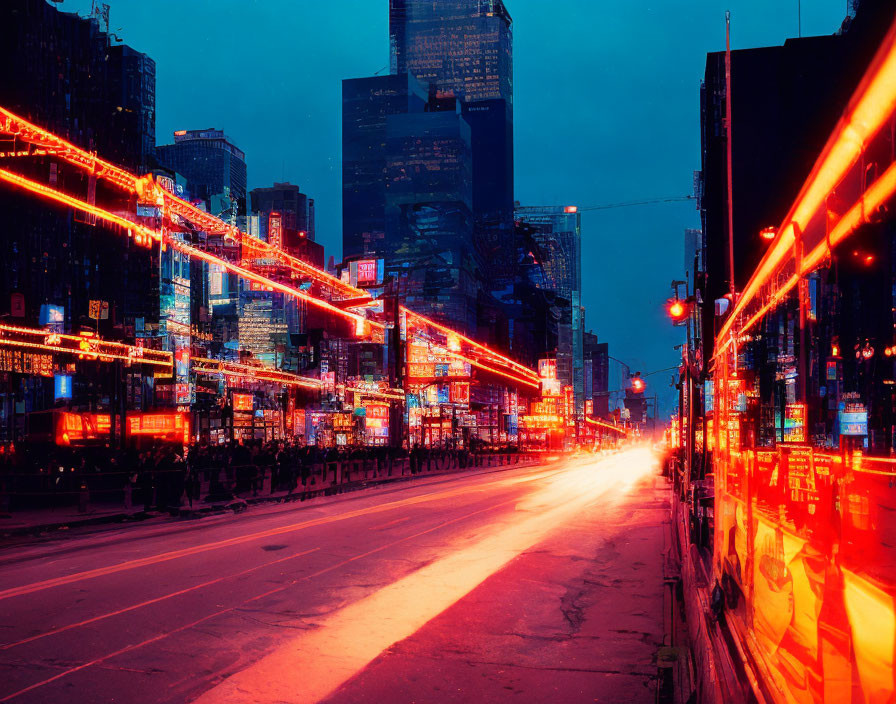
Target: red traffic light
pixel 678 310
pixel 638 385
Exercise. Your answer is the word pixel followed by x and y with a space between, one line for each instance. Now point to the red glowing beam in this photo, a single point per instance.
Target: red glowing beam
pixel 598 423
pixel 12 124
pixel 880 192
pixel 872 104
pixel 89 347
pixel 143 235
pixel 140 230
pixel 492 370
pixel 499 358
pixel 202 365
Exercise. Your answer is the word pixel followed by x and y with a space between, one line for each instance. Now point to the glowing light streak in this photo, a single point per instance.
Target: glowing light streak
pixel 106 216
pixel 476 345
pixel 95 348
pixel 879 193
pixel 202 365
pixel 872 104
pixel 143 235
pixel 12 124
pixel 492 370
pixel 608 426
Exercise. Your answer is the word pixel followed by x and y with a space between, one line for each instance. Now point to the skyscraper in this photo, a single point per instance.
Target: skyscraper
pixel 464 48
pixel 215 169
pixel 429 224
pixel 367 104
pixel 65 75
pixel 460 47
pixel 557 230
pixel 295 208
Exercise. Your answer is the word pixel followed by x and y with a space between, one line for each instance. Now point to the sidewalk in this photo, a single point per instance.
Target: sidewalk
pixel 38 521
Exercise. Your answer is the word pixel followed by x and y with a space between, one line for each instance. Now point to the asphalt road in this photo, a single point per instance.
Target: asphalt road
pixel 540 584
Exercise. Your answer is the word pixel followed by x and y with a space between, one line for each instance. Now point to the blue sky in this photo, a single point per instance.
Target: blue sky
pixel 606 110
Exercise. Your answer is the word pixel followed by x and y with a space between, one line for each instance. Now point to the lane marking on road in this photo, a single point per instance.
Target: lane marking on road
pixel 150 602
pixel 349 640
pixel 383 526
pixel 231 609
pixel 239 540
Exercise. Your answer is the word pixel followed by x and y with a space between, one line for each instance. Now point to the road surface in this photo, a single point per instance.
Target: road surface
pixel 538 584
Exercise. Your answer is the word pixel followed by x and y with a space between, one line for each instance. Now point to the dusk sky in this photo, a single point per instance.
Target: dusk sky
pixel 606 111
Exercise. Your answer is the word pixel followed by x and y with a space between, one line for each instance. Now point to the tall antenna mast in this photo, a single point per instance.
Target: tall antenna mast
pixel 730 160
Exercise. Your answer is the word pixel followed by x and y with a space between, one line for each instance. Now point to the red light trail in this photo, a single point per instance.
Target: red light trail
pixel 148 190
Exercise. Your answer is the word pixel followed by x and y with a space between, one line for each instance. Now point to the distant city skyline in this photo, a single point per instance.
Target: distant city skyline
pixel 268 73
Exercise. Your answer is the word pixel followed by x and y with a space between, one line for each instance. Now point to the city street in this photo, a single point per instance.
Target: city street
pixel 537 584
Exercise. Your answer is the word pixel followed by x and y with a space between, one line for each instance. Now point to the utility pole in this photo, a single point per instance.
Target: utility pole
pixel 730 153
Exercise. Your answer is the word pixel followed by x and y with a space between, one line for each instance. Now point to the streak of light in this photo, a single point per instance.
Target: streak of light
pixel 346 642
pixel 217 545
pixel 872 104
pixel 150 602
pixel 54 145
pixel 477 345
pixel 140 230
pixel 258 597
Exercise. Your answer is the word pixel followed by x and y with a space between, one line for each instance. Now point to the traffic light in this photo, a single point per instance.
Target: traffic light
pixel 638 384
pixel 678 310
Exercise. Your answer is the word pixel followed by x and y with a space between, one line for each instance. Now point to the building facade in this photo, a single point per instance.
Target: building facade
pixel 557 230
pixel 367 104
pixel 215 169
pixel 296 209
pixel 429 248
pixel 461 47
pixel 464 49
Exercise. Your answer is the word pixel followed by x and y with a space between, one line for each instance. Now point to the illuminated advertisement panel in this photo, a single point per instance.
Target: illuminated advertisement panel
pixel 171 427
pixel 547 368
pixel 243 402
pixel 275 230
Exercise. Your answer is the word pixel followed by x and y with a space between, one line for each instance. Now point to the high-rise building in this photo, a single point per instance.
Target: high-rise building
pixel 65 75
pixel 464 48
pixel 557 230
pixel 296 209
pixel 460 47
pixel 215 169
pixel 367 103
pixel 429 247
pixel 491 131
pixel 597 375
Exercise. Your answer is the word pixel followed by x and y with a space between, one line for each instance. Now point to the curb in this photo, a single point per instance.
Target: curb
pixel 239 505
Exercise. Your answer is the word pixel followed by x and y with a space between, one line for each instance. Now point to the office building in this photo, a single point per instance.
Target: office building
pixel 367 103
pixel 296 209
pixel 429 248
pixel 460 47
pixel 557 231
pixel 215 169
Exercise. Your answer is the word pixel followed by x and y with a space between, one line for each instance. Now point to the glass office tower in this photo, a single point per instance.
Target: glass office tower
pixel 461 47
pixel 558 232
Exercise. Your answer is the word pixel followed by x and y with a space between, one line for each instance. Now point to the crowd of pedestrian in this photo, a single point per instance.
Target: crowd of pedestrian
pixel 163 476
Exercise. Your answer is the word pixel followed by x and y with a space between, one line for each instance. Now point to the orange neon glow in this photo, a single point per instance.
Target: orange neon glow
pixel 768 233
pixel 492 370
pixel 94 347
pixel 476 345
pixel 607 426
pixel 142 235
pixel 12 124
pixel 172 205
pixel 202 365
pixel 60 197
pixel 872 105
